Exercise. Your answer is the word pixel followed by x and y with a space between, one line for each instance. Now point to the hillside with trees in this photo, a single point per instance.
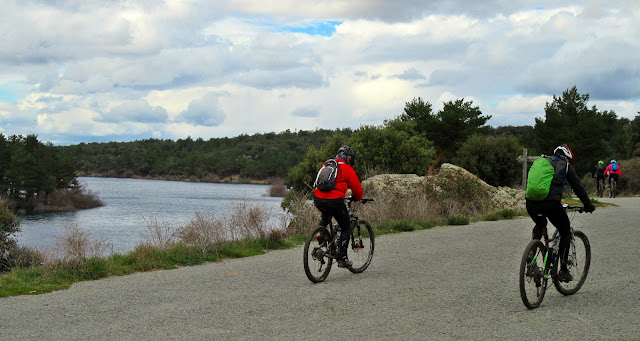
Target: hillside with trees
pixel 416 141
pixel 242 158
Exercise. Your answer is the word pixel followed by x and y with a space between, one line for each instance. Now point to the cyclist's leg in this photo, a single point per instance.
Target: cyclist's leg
pixel 342 217
pixel 326 210
pixel 536 210
pixel 337 209
pixel 559 218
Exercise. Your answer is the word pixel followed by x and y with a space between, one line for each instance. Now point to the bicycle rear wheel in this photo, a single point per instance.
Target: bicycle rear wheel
pixel 611 182
pixel 578 264
pixel 361 247
pixel 317 262
pixel 600 187
pixel 533 283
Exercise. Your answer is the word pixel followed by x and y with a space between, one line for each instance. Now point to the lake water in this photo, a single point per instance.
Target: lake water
pixel 131 203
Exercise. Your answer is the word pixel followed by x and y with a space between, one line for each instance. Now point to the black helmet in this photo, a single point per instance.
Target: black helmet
pixel 345 152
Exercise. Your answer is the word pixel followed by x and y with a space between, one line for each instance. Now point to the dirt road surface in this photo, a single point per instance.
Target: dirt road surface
pixel 447 283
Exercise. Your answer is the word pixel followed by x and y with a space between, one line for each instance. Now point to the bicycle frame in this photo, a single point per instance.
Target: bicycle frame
pixel 553 243
pixel 354 220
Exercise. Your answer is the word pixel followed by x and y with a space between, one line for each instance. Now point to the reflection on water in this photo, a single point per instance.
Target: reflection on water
pixel 129 202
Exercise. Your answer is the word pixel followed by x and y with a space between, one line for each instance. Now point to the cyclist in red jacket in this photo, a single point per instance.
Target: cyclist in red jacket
pixel 614 172
pixel 331 203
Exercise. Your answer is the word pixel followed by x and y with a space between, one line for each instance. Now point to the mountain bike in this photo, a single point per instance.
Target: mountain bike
pixel 540 263
pixel 600 186
pixel 321 247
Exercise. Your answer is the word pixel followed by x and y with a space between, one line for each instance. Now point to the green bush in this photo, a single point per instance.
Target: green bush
pixel 458 220
pixel 504 214
pixel 492 159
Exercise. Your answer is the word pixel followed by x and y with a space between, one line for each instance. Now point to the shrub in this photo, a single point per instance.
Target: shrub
pixel 457 220
pixel 76 246
pixel 159 234
pixel 203 233
pixel 277 188
pixel 301 214
pixel 23 257
pixel 9 225
pixel 492 159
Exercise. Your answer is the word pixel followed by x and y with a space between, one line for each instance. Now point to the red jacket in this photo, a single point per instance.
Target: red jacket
pixel 346 178
pixel 608 170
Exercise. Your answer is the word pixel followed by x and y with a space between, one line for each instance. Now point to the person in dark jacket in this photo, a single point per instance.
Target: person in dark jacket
pixel 331 203
pixel 598 173
pixel 551 207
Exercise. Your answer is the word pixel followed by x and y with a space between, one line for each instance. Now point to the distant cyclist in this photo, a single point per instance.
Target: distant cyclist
pixel 598 172
pixel 613 171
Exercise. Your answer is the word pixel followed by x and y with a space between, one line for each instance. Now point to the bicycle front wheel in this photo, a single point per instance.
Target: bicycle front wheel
pixel 578 265
pixel 361 246
pixel 533 282
pixel 317 262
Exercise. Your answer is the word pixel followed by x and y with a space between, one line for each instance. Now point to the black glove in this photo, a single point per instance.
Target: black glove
pixel 589 208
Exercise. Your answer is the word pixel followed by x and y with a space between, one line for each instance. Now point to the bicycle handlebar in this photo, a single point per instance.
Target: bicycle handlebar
pixel 568 207
pixel 364 200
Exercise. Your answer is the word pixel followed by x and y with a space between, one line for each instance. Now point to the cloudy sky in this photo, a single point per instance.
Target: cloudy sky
pixel 96 70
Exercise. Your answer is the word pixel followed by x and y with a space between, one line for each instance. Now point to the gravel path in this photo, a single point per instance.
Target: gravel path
pixel 447 283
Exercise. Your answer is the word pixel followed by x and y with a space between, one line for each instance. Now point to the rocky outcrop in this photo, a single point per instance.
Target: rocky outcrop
pixel 450 183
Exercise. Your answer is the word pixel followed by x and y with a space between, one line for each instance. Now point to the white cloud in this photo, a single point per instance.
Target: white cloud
pixel 204 112
pixel 134 111
pixel 135 69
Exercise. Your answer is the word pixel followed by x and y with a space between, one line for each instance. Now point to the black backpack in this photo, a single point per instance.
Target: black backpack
pixel 326 178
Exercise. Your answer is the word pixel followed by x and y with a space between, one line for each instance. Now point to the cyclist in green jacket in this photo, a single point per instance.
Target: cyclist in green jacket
pixel 551 206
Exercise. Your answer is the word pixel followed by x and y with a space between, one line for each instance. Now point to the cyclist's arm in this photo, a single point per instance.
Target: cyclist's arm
pixel 354 183
pixel 577 186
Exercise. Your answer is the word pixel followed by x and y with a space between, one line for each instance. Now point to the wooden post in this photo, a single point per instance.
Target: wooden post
pixel 525 159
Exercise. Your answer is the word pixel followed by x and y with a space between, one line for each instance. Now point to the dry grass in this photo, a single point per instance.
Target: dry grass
pixel 76 244
pixel 158 234
pixel 302 216
pixel 248 222
pixel 204 233
pixel 207 233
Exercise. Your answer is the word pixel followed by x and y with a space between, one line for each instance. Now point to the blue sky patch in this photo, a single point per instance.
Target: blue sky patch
pixel 325 28
pixel 6 93
pixel 12 92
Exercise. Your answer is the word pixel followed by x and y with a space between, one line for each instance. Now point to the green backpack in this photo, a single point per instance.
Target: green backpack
pixel 539 179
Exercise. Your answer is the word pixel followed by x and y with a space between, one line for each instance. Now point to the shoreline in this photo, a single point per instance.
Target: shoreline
pixel 207 179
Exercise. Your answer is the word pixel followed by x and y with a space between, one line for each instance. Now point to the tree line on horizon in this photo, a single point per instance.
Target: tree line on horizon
pixel 417 141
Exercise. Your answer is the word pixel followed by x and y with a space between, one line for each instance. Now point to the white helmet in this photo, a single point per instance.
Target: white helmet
pixel 565 151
